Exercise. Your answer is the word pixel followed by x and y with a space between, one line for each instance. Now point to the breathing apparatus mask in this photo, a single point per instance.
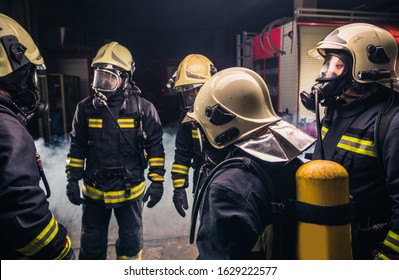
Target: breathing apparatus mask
pixel 107 82
pixel 22 85
pixel 188 96
pixel 334 78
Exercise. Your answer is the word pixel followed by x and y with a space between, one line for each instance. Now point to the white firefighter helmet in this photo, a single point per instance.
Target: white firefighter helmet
pixel 373 49
pixel 232 104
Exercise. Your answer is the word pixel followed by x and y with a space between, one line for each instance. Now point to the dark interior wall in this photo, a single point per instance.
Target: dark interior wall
pixel 158 33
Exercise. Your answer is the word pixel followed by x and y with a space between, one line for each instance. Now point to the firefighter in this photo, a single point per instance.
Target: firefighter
pixel 193 71
pixel 29 229
pixel 359 130
pixel 256 156
pixel 114 134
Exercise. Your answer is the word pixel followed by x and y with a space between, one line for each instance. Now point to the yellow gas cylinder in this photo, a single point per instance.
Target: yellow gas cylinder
pixel 323 183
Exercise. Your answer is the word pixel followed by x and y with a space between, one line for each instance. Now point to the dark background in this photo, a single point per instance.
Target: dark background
pixel 159 33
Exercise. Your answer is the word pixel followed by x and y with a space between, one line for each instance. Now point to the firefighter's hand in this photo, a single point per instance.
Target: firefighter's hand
pixel 154 193
pixel 73 192
pixel 180 200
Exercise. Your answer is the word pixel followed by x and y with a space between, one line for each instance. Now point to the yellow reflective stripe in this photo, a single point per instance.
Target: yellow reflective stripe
pixel 157 162
pixel 41 240
pixel 263 244
pixel 178 183
pixel 357 145
pixel 93 193
pixel 156 177
pixel 75 162
pixel 95 123
pixel 66 249
pixel 392 241
pixel 383 257
pixel 324 131
pixel 112 197
pixel 194 134
pixel 181 169
pixel 137 257
pixel 126 123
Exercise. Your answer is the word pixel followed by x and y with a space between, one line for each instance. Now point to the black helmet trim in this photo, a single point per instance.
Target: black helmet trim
pixel 15 51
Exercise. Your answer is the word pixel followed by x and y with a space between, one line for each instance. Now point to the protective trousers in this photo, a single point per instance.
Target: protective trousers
pixel 94 236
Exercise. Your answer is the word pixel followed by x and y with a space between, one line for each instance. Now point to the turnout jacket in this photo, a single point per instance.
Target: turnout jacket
pixel 28 227
pixel 112 164
pixel 236 219
pixel 349 137
pixel 187 153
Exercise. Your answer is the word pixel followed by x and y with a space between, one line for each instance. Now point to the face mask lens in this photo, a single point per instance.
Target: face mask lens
pixel 105 80
pixel 332 68
pixel 189 97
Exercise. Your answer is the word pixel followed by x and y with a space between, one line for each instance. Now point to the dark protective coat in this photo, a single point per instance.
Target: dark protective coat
pixel 112 166
pixel 236 215
pixel 187 154
pixel 349 139
pixel 100 154
pixel 28 228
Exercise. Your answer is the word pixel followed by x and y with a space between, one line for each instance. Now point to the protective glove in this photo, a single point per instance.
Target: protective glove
pixel 154 192
pixel 180 200
pixel 73 192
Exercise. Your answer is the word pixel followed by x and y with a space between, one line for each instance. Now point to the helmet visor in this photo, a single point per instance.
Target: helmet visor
pixel 106 80
pixel 332 69
pixel 184 88
pixel 189 97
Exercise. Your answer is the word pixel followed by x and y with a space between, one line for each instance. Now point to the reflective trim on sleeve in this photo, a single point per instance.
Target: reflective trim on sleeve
pixel 357 145
pixel 157 162
pixel 324 131
pixel 126 123
pixel 383 257
pixel 194 134
pixel 155 177
pixel 95 123
pixel 66 249
pixel 113 197
pixel 392 241
pixel 41 240
pixel 178 183
pixel 75 162
pixel 181 169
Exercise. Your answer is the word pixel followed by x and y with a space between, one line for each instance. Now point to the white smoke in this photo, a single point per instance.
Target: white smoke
pixel 160 222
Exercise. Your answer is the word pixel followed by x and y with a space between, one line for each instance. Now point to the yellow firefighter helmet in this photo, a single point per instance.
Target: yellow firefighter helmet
pixel 114 54
pixel 17 47
pixel 193 71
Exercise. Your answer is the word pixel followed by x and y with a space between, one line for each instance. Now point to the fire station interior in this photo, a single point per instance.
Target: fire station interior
pixel 159 34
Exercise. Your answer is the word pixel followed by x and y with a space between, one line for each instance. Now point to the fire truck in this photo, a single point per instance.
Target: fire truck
pixel 279 53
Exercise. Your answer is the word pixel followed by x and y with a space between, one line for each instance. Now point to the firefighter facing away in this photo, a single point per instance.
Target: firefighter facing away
pixel 193 71
pixel 114 134
pixel 256 153
pixel 360 129
pixel 29 229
